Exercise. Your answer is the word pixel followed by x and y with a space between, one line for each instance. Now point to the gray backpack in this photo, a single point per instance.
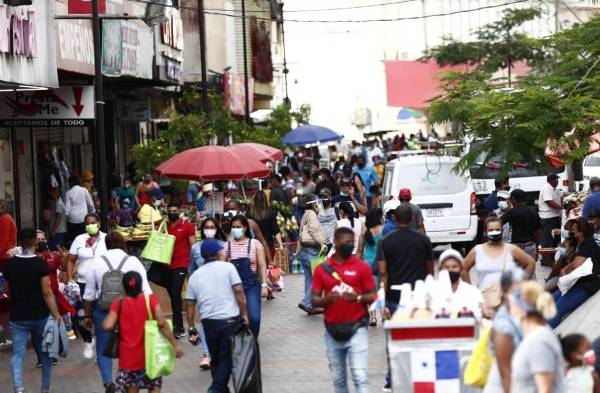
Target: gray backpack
pixel 112 284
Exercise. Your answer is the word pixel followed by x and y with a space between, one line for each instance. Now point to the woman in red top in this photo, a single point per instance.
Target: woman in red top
pixel 132 374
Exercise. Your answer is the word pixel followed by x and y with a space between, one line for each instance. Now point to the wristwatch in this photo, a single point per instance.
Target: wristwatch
pixel 264 285
pixel 359 298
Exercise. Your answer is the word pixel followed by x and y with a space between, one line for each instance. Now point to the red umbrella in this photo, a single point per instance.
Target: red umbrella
pixel 212 163
pixel 262 152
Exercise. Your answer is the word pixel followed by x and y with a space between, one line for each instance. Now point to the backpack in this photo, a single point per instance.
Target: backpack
pixel 112 284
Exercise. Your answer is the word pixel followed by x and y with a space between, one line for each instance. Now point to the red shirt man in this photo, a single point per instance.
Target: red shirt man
pixel 8 234
pixel 185 237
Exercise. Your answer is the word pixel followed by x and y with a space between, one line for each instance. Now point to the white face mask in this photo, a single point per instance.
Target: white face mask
pixel 157 203
pixel 210 233
pixel 503 205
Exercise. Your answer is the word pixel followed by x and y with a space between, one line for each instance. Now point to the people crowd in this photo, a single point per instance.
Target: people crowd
pixel 351 242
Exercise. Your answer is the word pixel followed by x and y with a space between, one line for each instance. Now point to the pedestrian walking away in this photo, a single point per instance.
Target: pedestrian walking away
pixel 31 303
pixel 550 208
pixel 135 307
pixel 78 203
pixel 344 287
pixel 525 224
pixel 216 290
pixel 248 257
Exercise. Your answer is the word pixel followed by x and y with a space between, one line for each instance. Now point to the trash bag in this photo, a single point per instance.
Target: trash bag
pixel 245 356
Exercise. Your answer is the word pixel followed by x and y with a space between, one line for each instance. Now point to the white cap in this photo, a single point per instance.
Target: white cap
pixel 451 253
pixel 503 194
pixel 207 187
pixel 392 204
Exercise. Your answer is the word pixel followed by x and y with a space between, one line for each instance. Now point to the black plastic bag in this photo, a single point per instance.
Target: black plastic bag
pixel 245 356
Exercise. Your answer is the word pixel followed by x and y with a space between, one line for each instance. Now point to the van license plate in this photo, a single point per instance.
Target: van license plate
pixel 434 212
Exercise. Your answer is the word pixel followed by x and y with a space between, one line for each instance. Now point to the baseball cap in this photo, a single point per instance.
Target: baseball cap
pixel 451 253
pixel 210 248
pixel 503 194
pixel 207 187
pixel 405 194
pixel 325 193
pixel 518 195
pixel 156 193
pixel 390 205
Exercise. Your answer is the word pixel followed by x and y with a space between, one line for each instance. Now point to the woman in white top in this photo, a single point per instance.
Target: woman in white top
pixel 349 220
pixel 490 259
pixel 84 249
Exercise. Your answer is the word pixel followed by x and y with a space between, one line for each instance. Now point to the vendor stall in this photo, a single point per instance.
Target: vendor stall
pixel 430 355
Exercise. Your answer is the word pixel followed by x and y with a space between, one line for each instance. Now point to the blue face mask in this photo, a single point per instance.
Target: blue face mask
pixel 237 233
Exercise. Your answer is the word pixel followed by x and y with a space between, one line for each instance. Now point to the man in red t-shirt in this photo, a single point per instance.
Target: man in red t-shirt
pixel 8 235
pixel 185 237
pixel 343 286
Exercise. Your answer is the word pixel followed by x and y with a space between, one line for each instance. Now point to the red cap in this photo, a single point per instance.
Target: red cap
pixel 405 194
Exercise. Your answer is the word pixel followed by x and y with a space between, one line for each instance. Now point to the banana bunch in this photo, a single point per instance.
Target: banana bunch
pixel 291 224
pixel 124 231
pixel 141 231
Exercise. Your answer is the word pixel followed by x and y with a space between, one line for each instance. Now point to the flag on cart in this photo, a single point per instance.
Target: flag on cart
pixel 435 371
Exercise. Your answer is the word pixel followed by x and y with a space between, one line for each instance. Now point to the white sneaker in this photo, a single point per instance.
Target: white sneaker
pixel 88 350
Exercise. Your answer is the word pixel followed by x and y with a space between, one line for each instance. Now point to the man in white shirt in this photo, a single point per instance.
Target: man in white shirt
pixel 78 203
pixel 550 208
pixel 373 150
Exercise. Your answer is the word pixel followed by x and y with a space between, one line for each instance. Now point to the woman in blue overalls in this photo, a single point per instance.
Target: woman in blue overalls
pixel 248 256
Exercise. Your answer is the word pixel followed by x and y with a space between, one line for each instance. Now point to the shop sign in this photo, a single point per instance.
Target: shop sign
pixel 75 45
pixel 85 6
pixel 169 47
pixel 127 49
pixel 136 110
pixel 71 105
pixel 27 44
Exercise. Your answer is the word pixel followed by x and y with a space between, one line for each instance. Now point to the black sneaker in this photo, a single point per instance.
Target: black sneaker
pixel 180 334
pixel 38 364
pixel 110 388
pixel 387 388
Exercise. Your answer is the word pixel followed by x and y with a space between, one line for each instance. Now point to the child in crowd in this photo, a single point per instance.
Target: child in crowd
pixel 125 214
pixel 580 359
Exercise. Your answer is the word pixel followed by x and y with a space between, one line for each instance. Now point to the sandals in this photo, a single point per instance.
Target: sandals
pixel 373 322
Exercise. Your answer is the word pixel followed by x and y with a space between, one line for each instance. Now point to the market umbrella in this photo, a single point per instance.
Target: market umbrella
pixel 407 114
pixel 212 163
pixel 310 134
pixel 262 153
pixel 553 153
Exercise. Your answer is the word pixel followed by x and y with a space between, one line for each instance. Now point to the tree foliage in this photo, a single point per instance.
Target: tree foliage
pixel 190 127
pixel 556 105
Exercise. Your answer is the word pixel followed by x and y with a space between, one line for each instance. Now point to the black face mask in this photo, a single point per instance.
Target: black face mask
pixel 42 246
pixel 226 227
pixel 495 238
pixel 345 250
pixel 173 216
pixel 454 276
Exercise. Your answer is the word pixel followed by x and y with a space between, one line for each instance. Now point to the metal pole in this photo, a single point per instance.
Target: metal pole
pixel 100 152
pixel 556 16
pixel 202 31
pixel 285 69
pixel 244 44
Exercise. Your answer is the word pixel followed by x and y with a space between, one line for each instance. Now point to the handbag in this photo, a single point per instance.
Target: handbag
pixel 479 365
pixel 492 295
pixel 566 282
pixel 159 247
pixel 319 260
pixel 111 348
pixel 158 352
pixel 282 259
pixel 343 331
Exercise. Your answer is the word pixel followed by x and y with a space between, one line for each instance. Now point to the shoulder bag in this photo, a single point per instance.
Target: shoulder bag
pixel 342 331
pixel 111 348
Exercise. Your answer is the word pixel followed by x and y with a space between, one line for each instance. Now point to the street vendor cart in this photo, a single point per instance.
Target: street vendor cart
pixel 430 355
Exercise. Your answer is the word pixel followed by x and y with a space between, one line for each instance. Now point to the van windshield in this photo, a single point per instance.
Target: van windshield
pixel 434 178
pixel 492 169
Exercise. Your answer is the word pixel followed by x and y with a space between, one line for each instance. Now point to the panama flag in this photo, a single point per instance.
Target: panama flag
pixel 435 371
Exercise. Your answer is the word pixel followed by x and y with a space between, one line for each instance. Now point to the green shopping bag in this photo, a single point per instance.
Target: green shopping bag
pixel 159 247
pixel 319 260
pixel 159 354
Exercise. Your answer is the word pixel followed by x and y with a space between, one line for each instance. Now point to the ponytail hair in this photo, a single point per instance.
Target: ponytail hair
pixel 374 218
pixel 132 283
pixel 347 209
pixel 541 303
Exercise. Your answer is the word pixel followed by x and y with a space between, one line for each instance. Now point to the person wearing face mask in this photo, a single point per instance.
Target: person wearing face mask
pixel 348 194
pixel 173 275
pixel 550 210
pixel 344 287
pixel 78 203
pixel 142 191
pixel 327 217
pixel 464 295
pixel 580 357
pixel 325 180
pixel 83 251
pixel 248 256
pixel 150 212
pixel 538 364
pixel 524 222
pixel 367 175
pixel 492 258
pixel 369 242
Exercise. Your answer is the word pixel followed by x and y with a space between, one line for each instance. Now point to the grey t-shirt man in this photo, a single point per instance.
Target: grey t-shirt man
pixel 211 287
pixel 328 220
pixel 539 353
pixel 417 216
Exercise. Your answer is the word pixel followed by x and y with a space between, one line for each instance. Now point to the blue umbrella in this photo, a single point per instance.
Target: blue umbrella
pixel 309 134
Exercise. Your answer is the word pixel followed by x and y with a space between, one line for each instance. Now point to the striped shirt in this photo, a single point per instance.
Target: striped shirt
pixel 240 250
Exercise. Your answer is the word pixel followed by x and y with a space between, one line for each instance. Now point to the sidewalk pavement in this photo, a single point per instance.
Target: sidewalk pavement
pixel 292 353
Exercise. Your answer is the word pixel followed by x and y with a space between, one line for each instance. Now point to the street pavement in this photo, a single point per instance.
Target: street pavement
pixel 292 352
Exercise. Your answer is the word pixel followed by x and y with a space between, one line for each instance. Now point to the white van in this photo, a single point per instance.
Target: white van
pixel 445 197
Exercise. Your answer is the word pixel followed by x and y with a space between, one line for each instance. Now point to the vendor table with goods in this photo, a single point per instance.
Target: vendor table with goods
pixel 430 355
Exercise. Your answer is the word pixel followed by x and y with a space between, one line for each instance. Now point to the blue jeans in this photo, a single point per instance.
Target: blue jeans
pixel 253 302
pixel 218 336
pixel 21 330
pixel 104 363
pixel 566 303
pixel 306 255
pixel 356 350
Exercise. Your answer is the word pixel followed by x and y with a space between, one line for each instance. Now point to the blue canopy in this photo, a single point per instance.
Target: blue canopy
pixel 309 134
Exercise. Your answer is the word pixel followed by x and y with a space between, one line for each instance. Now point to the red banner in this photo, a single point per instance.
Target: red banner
pixel 85 6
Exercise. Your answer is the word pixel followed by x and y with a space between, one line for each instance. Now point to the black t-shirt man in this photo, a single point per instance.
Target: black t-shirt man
pixel 408 256
pixel 24 275
pixel 524 221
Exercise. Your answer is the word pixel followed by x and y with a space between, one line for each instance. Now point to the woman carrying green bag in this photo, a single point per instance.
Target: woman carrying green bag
pixel 132 368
